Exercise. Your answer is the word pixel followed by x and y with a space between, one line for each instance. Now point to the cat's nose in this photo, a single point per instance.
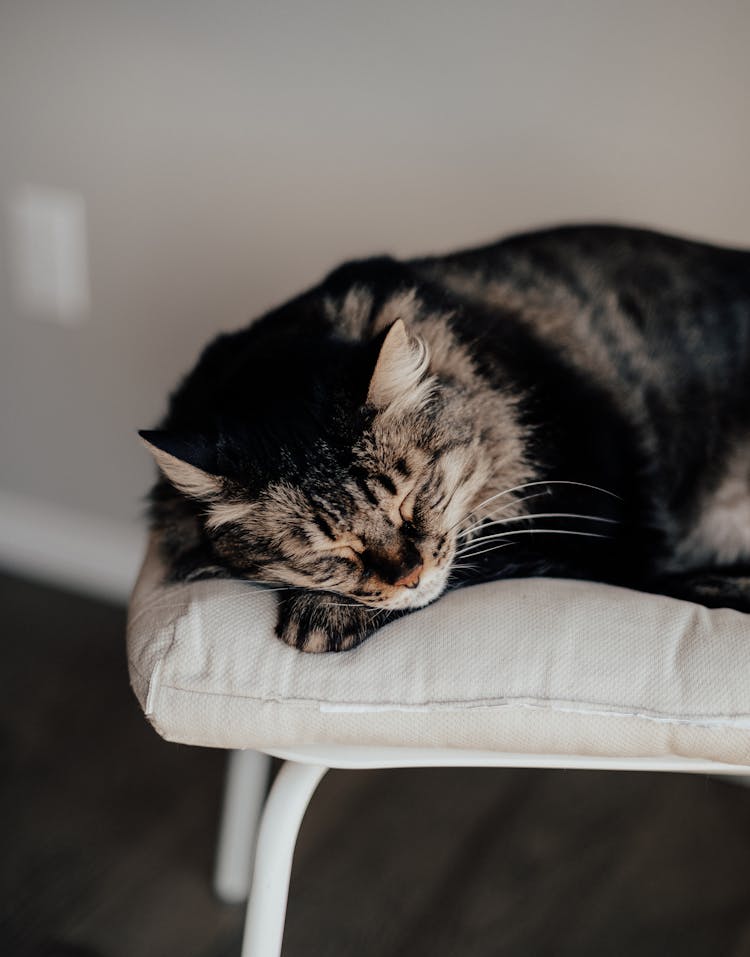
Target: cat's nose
pixel 411 578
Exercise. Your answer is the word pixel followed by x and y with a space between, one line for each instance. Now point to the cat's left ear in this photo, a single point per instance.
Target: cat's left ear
pixel 401 366
pixel 180 459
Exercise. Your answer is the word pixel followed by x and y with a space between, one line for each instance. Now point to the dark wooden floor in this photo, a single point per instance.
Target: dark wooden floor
pixel 108 836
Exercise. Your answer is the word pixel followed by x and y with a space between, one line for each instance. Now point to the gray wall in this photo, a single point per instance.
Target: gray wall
pixel 231 152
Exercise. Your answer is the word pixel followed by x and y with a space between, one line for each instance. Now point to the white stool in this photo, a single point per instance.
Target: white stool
pixel 528 673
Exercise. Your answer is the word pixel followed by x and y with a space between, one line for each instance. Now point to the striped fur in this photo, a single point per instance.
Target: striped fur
pixel 545 405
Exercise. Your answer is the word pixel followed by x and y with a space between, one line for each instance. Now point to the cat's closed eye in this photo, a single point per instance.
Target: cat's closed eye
pixel 350 549
pixel 406 508
pixel 347 553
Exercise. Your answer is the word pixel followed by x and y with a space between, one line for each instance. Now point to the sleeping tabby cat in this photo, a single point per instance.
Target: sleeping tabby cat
pixel 574 402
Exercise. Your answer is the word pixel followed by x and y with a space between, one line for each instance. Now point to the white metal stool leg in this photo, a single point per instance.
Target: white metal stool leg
pixel 244 794
pixel 285 808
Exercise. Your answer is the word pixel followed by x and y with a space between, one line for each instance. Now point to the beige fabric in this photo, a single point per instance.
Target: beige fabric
pixel 539 666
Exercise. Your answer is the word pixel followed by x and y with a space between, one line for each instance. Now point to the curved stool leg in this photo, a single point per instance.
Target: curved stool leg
pixel 285 808
pixel 244 792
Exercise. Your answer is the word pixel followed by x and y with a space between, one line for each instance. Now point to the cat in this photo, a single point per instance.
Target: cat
pixel 571 402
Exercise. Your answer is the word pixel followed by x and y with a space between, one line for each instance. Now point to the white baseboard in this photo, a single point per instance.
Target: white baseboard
pixel 69 548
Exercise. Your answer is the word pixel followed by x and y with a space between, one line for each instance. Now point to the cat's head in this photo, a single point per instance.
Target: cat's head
pixel 354 479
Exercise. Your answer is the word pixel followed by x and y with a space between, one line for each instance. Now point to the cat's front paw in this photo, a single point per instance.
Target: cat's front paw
pixel 318 621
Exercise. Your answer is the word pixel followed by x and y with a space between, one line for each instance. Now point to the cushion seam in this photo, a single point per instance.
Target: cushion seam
pixel 550 704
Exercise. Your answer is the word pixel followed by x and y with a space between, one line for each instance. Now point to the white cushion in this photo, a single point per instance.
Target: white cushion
pixel 536 666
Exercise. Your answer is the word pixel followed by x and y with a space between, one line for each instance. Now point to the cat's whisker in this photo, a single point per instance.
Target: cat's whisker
pixel 535 515
pixel 263 581
pixel 467 550
pixel 264 585
pixel 461 567
pixel 519 488
pixel 503 508
pixel 492 548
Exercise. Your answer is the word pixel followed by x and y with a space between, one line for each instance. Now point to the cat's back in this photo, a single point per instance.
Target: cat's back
pixel 662 325
pixel 568 254
pixel 630 307
pixel 653 278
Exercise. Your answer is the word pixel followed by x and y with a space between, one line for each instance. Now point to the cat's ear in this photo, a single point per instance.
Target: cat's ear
pixel 401 366
pixel 183 461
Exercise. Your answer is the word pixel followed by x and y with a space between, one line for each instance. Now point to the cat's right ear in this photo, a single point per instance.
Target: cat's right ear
pixel 401 367
pixel 181 460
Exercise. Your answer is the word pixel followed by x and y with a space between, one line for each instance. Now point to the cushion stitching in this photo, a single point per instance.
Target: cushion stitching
pixel 517 701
